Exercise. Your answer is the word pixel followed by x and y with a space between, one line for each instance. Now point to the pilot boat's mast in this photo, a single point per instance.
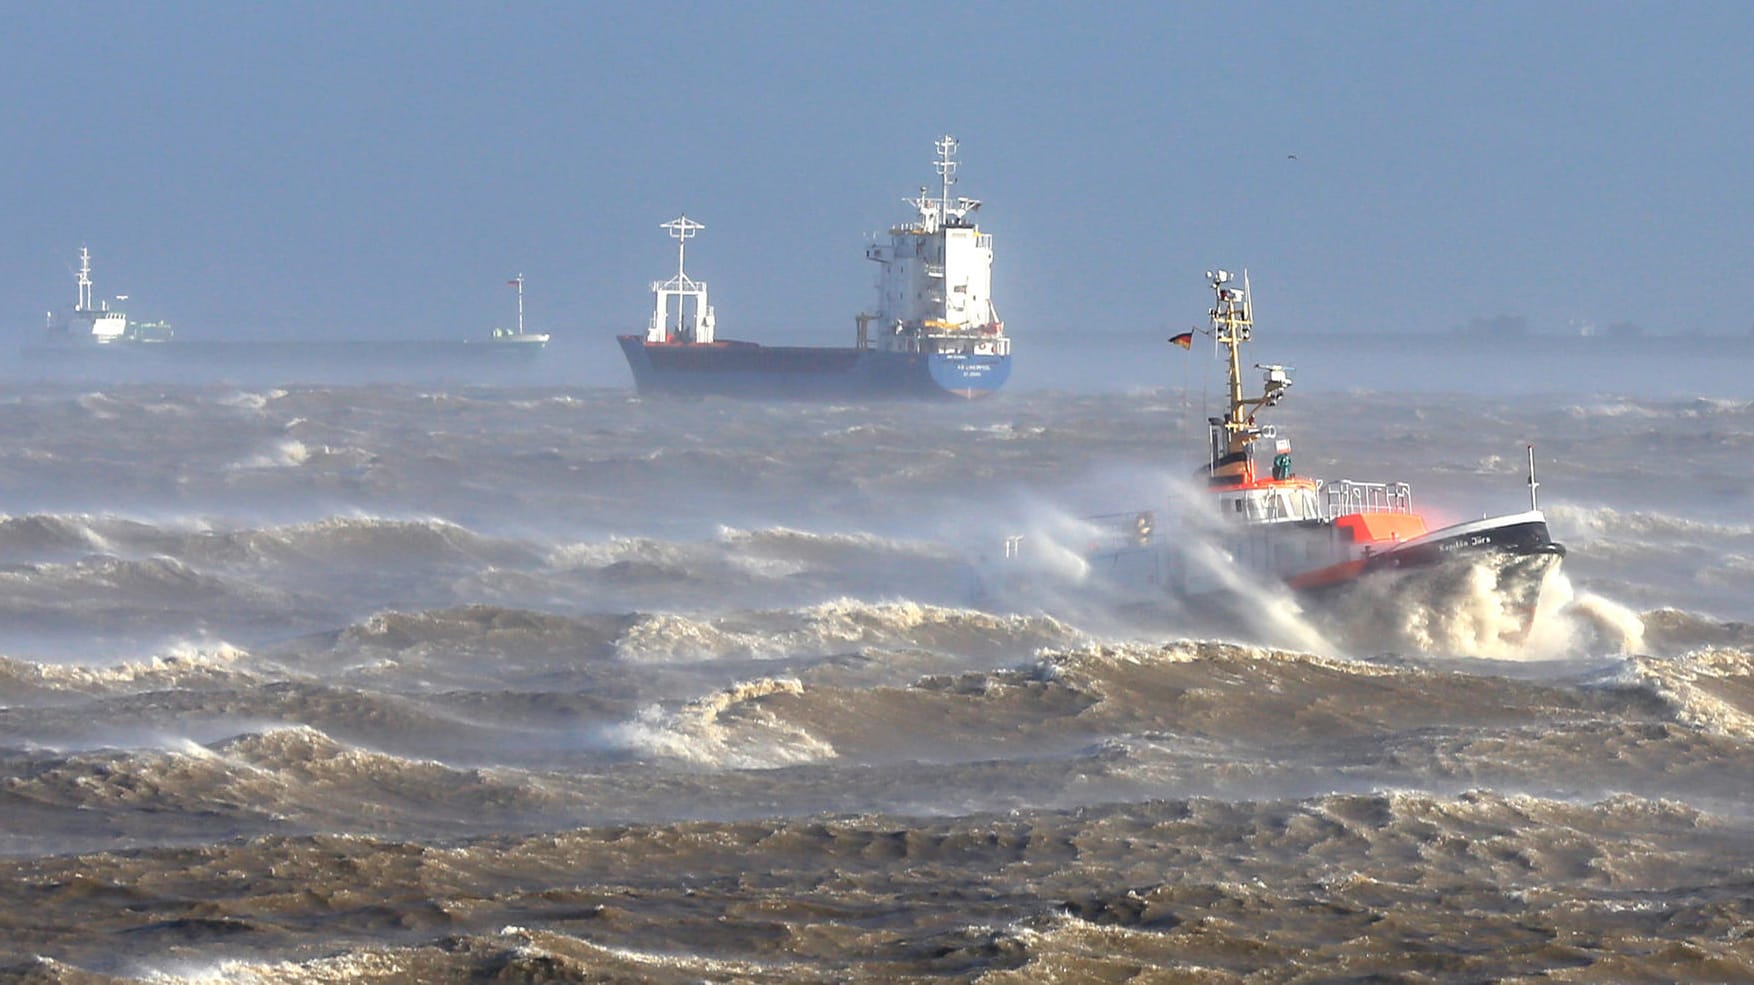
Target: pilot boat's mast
pixel 1232 325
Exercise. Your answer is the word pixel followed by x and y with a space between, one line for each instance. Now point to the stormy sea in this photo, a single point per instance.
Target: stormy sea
pixel 415 682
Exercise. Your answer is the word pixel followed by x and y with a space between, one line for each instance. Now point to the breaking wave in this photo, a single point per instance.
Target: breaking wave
pixel 182 665
pixel 1603 523
pixel 731 728
pixel 837 626
pixel 49 534
pixel 1710 689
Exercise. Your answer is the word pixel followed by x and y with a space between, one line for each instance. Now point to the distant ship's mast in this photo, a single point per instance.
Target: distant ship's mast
pixel 91 319
pixel 946 165
pixel 942 211
pixel 518 282
pixel 84 281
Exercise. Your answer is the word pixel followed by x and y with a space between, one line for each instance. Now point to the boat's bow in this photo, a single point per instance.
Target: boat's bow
pixel 1514 534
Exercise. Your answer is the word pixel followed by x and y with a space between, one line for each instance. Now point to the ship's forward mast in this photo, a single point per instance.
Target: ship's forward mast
pixel 84 303
pixel 1234 435
pixel 694 322
pixel 517 282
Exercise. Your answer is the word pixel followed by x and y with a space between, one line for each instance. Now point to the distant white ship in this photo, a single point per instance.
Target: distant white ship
pixel 519 337
pixel 91 322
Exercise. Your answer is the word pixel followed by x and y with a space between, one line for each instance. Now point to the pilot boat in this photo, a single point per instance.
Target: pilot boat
pixel 1255 521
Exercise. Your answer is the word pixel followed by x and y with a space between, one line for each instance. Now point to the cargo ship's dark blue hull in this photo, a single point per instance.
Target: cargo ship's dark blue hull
pixel 746 369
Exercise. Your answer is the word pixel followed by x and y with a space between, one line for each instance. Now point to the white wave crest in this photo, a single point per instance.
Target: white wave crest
pixel 358 966
pixel 182 664
pixel 1589 523
pixel 666 637
pixel 287 453
pixel 730 729
pixel 1611 409
pixel 1710 689
pixel 832 626
pixel 248 399
pixel 598 554
pixel 1096 659
pixel 39 531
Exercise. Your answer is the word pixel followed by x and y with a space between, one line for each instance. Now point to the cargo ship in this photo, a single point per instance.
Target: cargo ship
pixel 1257 522
pixel 94 335
pixel 935 332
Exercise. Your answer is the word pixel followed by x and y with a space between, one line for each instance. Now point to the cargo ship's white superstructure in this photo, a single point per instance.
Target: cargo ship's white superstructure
pixel 935 292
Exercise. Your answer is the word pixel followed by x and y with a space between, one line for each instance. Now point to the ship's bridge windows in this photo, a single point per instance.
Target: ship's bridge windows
pixel 1273 504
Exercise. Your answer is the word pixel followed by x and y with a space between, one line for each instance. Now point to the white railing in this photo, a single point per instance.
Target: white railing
pixel 970 342
pixel 1345 496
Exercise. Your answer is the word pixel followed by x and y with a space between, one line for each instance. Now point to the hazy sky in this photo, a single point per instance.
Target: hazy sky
pixel 381 169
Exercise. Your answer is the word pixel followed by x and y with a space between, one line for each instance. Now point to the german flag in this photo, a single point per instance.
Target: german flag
pixel 1185 340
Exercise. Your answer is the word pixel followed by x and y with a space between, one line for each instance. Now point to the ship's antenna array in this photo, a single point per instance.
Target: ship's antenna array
pixel 946 165
pixel 84 280
pixel 1232 324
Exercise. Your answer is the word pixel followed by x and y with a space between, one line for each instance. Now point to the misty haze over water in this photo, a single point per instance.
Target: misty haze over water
pixel 1053 360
